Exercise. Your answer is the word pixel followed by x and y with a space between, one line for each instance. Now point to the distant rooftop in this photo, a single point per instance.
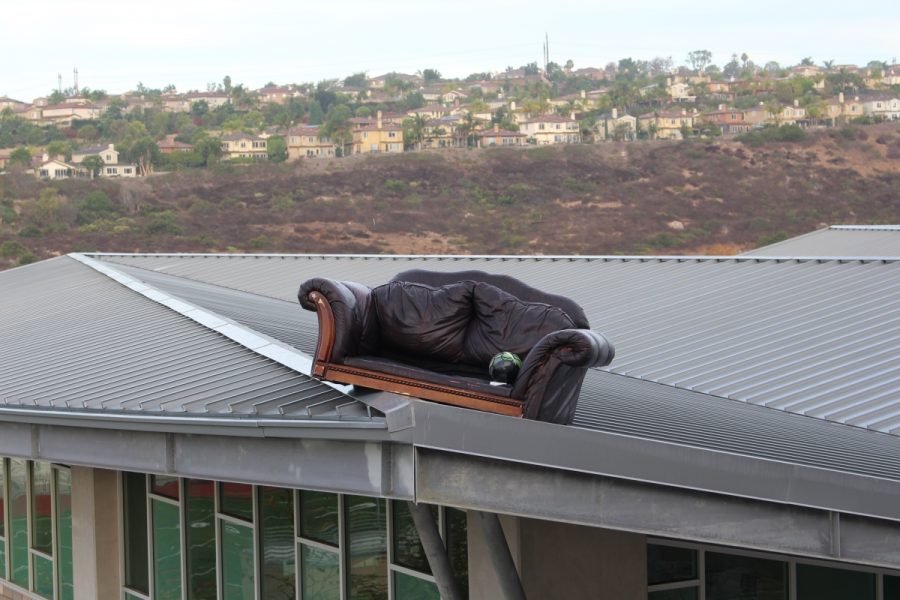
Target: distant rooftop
pixel 859 241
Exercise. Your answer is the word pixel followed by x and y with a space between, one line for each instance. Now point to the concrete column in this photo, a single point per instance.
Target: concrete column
pixel 95 533
pixel 483 582
pixel 572 561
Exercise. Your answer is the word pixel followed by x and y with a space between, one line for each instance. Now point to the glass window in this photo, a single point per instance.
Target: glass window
pixel 43 576
pixel 200 539
pixel 276 538
pixel 730 577
pixel 64 534
pixel 18 521
pixel 41 508
pixel 237 561
pixel 320 574
pixel 688 593
pixel 824 583
pixel 458 547
pixel 407 587
pixel 319 517
pixel 408 551
pixel 164 485
pixel 666 564
pixel 367 541
pixel 166 551
pixel 135 530
pixel 891 588
pixel 236 500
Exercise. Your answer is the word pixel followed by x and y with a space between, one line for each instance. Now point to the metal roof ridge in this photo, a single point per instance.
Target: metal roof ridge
pixel 737 258
pixel 256 342
pixel 864 227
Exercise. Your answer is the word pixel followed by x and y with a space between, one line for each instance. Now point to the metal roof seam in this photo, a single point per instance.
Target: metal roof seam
pixel 256 342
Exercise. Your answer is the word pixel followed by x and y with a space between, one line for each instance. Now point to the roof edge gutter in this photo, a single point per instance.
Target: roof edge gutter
pixel 224 426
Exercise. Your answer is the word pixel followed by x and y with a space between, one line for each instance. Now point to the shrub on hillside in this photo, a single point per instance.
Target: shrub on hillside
pixel 93 207
pixel 785 133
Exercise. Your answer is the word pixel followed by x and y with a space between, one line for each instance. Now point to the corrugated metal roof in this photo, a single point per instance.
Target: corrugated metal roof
pixel 813 337
pixel 839 240
pixel 75 339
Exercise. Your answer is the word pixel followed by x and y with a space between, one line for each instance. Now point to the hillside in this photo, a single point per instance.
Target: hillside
pixel 715 197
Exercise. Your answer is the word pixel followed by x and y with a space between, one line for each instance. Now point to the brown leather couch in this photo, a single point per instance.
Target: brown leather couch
pixel 432 335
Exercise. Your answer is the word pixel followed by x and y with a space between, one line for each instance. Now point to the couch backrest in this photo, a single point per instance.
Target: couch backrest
pixel 463 322
pixel 511 285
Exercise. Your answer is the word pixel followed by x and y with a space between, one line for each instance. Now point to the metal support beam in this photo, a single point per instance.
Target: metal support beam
pixel 498 548
pixel 597 501
pixel 435 551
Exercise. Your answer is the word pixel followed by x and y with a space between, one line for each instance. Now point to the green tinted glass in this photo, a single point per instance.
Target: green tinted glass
pixel 41 508
pixel 891 588
pixel 407 587
pixel 319 517
pixel 276 539
pixel 200 539
pixel 18 521
pixel 458 547
pixel 135 530
pixel 367 539
pixel 666 564
pixel 43 576
pixel 408 551
pixel 320 574
pixel 165 485
pixel 237 561
pixel 64 534
pixel 823 583
pixel 166 551
pixel 236 499
pixel 730 577
pixel 2 500
pixel 2 559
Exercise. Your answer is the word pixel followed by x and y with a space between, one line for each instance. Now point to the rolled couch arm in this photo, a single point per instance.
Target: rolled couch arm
pixel 550 379
pixel 344 311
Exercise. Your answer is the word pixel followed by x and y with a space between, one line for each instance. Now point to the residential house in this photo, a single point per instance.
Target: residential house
pixel 57 168
pixel 499 137
pixel 110 157
pixel 891 75
pixel 276 94
pixel 884 106
pixel 551 129
pixel 308 141
pixel 454 96
pixel 389 118
pixel 380 81
pixel 170 145
pixel 430 111
pixel 613 126
pixel 730 121
pixel 666 124
pixel 213 99
pixel 789 115
pixel 66 112
pixel 244 145
pixel 590 73
pixel 807 71
pixel 378 137
pixel 442 133
pixel 757 115
pixel 577 101
pixel 16 106
pixel 679 91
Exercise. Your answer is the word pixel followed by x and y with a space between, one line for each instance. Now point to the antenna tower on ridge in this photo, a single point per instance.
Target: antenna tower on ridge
pixel 76 80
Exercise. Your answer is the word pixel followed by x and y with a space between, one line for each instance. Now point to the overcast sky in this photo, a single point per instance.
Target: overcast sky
pixel 190 43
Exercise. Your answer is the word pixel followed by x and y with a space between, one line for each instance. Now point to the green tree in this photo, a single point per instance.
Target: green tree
pixel 357 80
pixel 338 126
pixel 56 97
pixel 226 84
pixel 315 115
pixel 94 164
pixel 199 109
pixel 20 156
pixel 208 147
pixel 699 59
pixel 60 148
pixel 145 153
pixel 431 75
pixel 277 149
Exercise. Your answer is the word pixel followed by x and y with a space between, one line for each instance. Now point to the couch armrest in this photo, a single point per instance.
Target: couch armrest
pixel 345 312
pixel 550 379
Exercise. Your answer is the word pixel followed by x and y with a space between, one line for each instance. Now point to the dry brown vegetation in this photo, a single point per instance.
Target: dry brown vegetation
pixel 713 197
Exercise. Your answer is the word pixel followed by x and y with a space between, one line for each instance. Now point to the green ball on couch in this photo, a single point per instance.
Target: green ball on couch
pixel 504 367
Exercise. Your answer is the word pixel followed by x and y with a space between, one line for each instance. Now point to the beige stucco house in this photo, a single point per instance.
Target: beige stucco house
pixel 551 129
pixel 309 142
